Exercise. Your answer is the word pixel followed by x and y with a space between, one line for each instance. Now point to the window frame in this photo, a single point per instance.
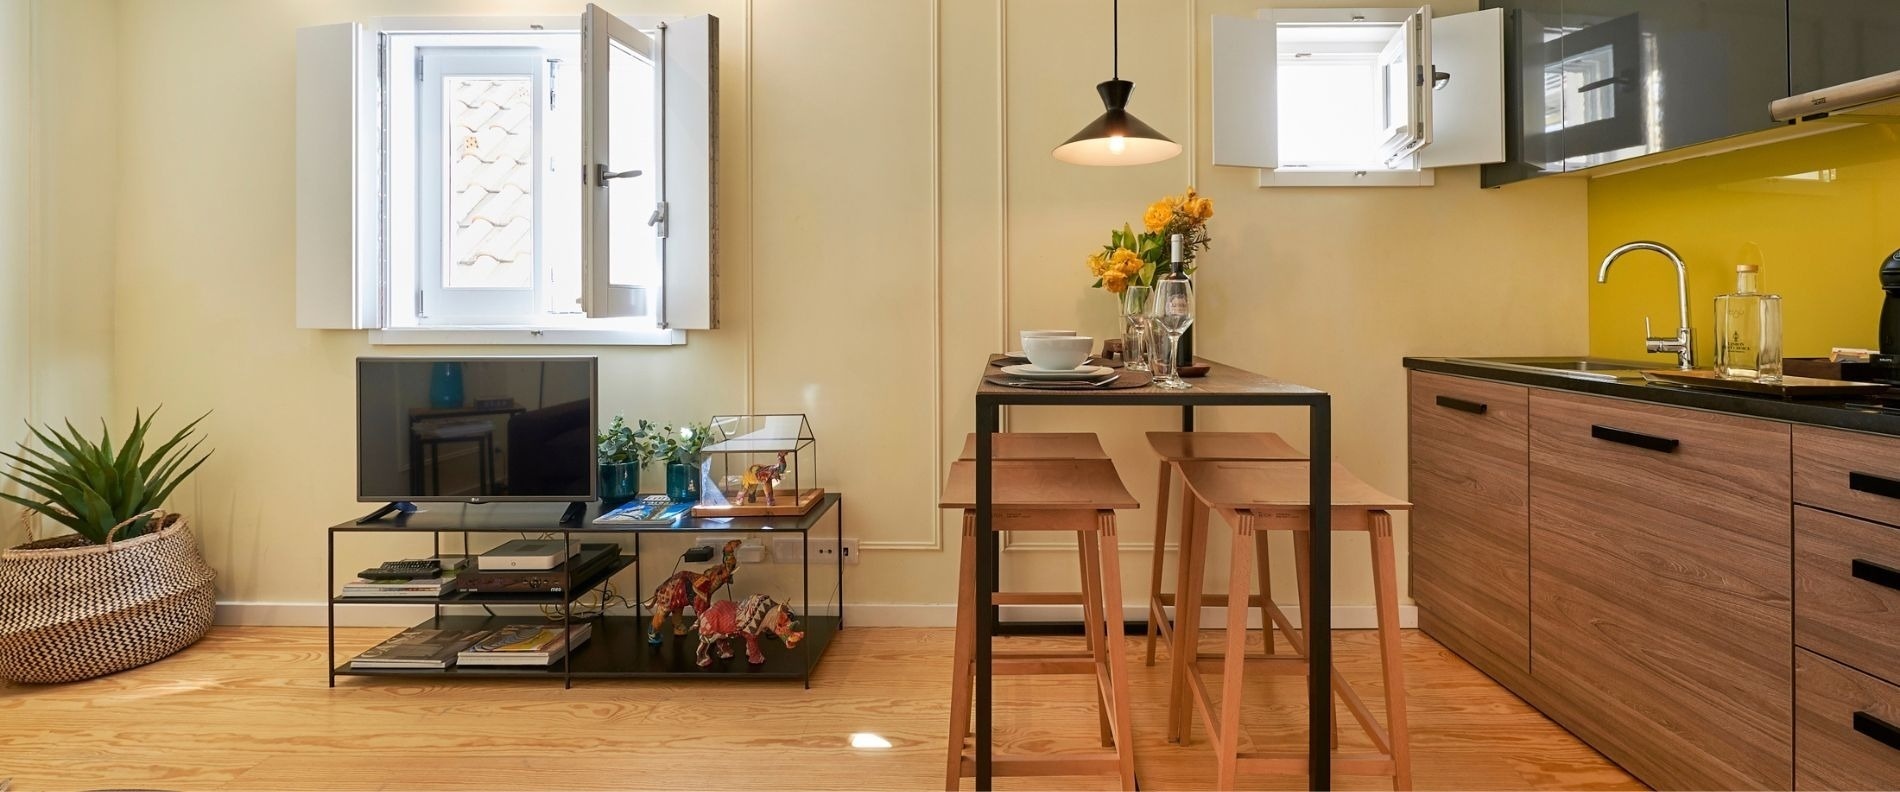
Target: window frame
pixel 342 216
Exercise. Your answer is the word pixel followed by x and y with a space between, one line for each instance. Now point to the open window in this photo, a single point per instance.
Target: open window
pixel 532 180
pixel 1366 96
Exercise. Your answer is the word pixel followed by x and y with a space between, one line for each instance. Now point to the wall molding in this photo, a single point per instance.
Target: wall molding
pixel 875 614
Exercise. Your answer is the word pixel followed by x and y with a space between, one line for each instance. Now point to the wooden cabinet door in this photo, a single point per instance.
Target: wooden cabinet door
pixel 1661 616
pixel 1470 523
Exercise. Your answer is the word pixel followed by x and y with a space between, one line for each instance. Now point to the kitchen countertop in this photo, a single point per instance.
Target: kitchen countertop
pixel 1817 412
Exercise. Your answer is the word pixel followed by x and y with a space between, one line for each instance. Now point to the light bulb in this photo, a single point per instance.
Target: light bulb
pixel 1116 144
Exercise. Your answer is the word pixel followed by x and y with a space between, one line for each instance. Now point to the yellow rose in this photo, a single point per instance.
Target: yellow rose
pixel 1115 281
pixel 1098 264
pixel 1203 209
pixel 1158 216
pixel 1124 261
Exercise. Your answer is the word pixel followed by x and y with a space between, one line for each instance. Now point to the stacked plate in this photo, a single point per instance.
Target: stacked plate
pixel 1084 372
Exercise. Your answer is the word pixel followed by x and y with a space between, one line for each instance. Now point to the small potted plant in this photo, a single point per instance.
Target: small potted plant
pixel 682 448
pixel 128 586
pixel 625 452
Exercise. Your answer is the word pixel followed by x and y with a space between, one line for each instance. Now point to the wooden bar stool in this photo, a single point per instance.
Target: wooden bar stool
pixel 1075 495
pixel 1038 445
pixel 1254 498
pixel 1175 448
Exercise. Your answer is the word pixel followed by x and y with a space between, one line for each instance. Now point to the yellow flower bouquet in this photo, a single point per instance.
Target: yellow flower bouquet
pixel 1130 258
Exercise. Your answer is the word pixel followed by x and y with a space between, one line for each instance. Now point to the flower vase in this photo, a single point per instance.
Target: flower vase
pixel 682 482
pixel 619 481
pixel 1135 335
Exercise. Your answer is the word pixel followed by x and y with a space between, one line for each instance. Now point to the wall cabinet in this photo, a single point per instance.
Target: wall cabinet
pixel 1835 41
pixel 1598 81
pixel 1660 601
pixel 1470 540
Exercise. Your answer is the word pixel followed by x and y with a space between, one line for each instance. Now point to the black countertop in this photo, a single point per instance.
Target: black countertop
pixel 1817 412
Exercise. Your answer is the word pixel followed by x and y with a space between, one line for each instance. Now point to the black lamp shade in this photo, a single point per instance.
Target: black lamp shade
pixel 1116 137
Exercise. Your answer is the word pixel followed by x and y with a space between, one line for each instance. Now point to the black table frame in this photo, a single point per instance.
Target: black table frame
pixel 1319 629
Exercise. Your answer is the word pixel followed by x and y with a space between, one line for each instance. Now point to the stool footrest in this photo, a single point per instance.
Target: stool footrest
pixel 1036 598
pixel 1294 763
pixel 1044 667
pixel 1019 766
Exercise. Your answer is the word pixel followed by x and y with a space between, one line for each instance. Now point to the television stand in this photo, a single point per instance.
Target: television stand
pixel 402 510
pixel 575 511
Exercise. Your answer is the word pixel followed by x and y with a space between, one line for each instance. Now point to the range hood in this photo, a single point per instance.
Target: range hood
pixel 1878 95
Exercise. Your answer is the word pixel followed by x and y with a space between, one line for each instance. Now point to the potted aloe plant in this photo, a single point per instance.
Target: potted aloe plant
pixel 128 586
pixel 625 451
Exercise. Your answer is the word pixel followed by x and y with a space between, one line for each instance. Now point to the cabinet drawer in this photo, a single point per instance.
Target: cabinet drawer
pixel 1660 594
pixel 1847 590
pixel 1848 472
pixel 1470 523
pixel 1847 727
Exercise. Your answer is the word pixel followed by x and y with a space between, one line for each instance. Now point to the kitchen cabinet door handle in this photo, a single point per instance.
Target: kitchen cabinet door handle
pixel 1878 729
pixel 1877 574
pixel 1475 408
pixel 1664 444
pixel 1873 485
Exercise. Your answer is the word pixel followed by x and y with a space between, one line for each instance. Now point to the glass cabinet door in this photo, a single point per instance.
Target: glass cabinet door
pixel 1837 41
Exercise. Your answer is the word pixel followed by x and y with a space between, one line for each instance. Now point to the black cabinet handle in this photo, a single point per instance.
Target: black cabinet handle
pixel 1475 408
pixel 1878 729
pixel 1606 82
pixel 1638 439
pixel 1873 485
pixel 1877 574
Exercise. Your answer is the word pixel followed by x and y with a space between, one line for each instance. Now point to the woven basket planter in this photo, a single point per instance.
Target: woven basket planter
pixel 78 612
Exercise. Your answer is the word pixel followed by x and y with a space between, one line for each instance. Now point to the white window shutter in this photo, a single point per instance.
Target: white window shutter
pixel 1468 113
pixel 1245 61
pixel 339 247
pixel 690 95
pixel 1410 124
pixel 600 32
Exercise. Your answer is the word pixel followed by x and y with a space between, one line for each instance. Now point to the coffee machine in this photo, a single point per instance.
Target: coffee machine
pixel 1890 309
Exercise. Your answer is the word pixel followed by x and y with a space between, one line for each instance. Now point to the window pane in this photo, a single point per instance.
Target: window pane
pixel 1329 112
pixel 635 258
pixel 491 179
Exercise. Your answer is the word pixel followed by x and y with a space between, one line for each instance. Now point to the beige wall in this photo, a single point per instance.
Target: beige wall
pixel 889 212
pixel 15 380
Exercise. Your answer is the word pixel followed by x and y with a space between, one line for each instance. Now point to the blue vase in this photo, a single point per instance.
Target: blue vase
pixel 619 482
pixel 445 386
pixel 682 482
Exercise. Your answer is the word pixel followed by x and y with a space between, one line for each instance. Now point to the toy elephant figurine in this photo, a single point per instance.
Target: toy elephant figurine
pixel 762 478
pixel 687 587
pixel 756 615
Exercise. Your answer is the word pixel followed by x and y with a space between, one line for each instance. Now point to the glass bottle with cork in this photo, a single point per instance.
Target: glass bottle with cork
pixel 1748 329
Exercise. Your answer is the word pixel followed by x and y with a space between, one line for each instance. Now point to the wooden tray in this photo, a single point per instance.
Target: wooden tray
pixel 1787 388
pixel 1127 379
pixel 790 504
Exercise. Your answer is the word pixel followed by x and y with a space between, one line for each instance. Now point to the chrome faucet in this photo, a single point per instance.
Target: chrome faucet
pixel 1684 343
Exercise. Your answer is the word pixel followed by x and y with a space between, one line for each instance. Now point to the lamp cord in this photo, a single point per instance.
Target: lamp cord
pixel 1116 45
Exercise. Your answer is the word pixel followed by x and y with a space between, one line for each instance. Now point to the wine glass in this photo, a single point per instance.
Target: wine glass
pixel 1135 307
pixel 1172 313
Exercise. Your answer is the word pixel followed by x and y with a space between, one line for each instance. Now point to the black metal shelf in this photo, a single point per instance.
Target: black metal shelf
pixel 618 649
pixel 578 590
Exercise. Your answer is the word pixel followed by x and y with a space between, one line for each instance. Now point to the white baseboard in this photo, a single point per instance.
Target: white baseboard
pixel 311 614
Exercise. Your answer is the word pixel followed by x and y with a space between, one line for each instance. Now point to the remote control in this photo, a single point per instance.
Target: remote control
pixel 404 570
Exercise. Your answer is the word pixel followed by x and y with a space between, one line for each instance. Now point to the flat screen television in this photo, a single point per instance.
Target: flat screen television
pixel 475 429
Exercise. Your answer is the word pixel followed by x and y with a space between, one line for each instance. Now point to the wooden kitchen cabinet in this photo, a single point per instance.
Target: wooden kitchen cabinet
pixel 1660 606
pixel 1470 523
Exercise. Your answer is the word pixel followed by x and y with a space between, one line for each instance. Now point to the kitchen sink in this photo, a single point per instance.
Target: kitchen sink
pixel 1604 369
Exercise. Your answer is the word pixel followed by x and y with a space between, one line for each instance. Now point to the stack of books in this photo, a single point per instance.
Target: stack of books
pixel 424 588
pixel 524 645
pixel 419 649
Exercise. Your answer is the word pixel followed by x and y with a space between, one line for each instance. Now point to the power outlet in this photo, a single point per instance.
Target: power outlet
pixel 791 550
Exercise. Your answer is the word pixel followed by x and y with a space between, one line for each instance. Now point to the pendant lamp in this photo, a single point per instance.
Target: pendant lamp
pixel 1116 137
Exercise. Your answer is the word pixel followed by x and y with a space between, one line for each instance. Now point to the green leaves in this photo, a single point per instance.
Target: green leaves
pixel 621 444
pixel 92 487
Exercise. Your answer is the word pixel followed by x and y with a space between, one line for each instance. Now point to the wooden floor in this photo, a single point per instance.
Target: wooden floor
pixel 248 709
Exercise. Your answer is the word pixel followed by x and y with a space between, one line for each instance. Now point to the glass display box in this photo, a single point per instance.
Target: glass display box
pixel 760 466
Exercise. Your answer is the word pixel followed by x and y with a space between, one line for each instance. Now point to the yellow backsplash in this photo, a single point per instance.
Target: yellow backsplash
pixel 1819 214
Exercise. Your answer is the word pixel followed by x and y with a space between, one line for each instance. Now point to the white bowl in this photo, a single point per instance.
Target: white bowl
pixel 1057 353
pixel 1028 334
